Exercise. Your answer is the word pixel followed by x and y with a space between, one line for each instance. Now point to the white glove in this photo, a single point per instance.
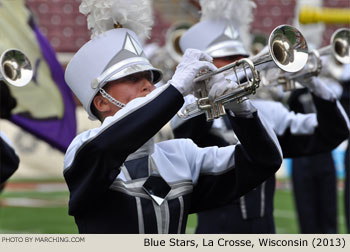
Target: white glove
pixel 243 109
pixel 318 87
pixel 221 86
pixel 192 62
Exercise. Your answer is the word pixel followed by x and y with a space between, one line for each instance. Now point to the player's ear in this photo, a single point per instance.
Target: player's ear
pixel 101 104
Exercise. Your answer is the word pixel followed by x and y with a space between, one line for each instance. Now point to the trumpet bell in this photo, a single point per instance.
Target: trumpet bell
pixel 341 45
pixel 15 68
pixel 288 48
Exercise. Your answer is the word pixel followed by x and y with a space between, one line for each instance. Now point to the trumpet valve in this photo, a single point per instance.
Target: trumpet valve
pixel 218 110
pixel 288 85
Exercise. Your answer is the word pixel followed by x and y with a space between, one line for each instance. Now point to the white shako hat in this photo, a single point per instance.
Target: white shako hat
pixel 218 38
pixel 222 24
pixel 107 57
pixel 111 54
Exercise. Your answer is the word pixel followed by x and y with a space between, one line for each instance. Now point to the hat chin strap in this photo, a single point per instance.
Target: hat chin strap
pixel 111 99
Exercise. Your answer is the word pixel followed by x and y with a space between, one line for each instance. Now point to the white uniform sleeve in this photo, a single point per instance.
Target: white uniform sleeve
pixel 305 134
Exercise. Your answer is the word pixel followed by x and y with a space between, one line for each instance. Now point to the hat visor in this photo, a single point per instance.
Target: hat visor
pixel 227 48
pixel 134 67
pixel 156 73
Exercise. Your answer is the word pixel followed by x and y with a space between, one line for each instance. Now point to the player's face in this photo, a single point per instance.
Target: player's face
pixel 123 90
pixel 127 91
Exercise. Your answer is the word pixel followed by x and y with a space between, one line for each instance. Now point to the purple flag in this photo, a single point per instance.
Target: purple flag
pixel 57 131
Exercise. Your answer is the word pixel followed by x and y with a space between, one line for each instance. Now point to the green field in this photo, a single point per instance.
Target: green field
pixel 52 215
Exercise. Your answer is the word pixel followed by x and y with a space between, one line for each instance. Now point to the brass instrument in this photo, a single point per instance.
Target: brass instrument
pixel 339 47
pixel 215 109
pixel 287 49
pixel 15 68
pixel 173 37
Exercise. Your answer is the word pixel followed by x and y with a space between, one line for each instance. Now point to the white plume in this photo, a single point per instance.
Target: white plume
pixel 136 15
pixel 238 11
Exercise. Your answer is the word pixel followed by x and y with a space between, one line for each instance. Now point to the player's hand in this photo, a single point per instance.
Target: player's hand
pixel 193 61
pixel 317 87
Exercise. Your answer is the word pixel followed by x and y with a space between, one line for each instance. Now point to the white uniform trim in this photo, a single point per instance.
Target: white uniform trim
pixel 140 215
pixel 166 220
pixel 7 140
pixel 243 207
pixel 342 111
pixel 134 188
pixel 262 209
pixel 159 218
pixel 181 202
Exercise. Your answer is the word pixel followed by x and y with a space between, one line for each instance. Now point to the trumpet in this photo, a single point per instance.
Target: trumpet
pixel 215 109
pixel 15 68
pixel 339 48
pixel 287 50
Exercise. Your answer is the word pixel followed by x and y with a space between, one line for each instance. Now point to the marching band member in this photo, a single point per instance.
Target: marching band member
pixel 9 158
pixel 119 180
pixel 345 100
pixel 314 177
pixel 219 34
